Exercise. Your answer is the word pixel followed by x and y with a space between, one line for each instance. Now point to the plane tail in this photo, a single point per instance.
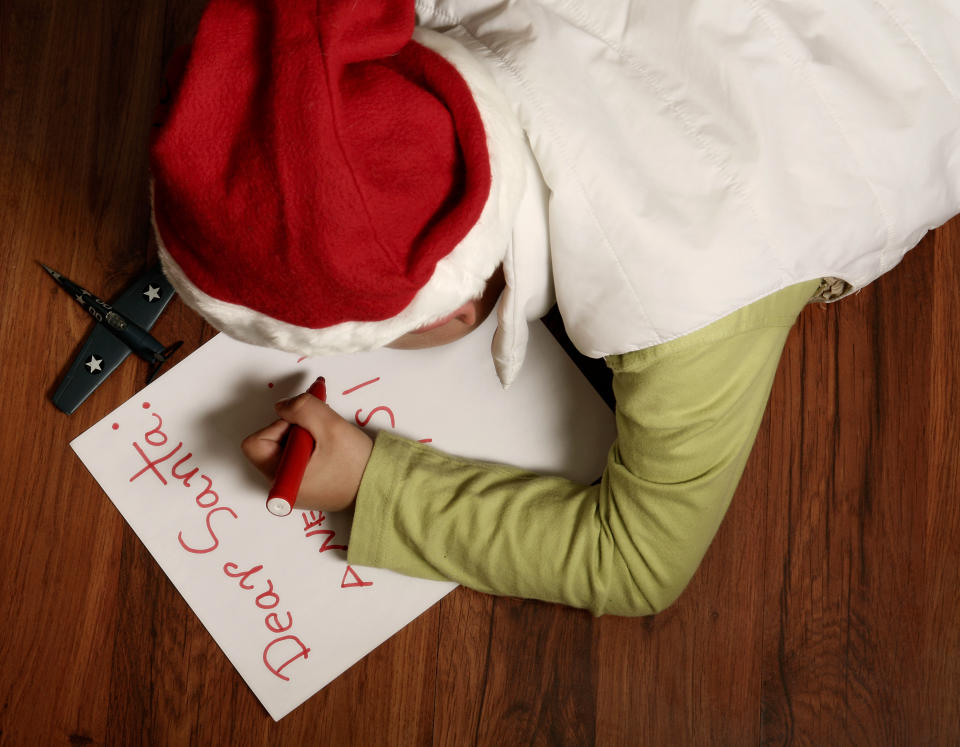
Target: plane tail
pixel 161 358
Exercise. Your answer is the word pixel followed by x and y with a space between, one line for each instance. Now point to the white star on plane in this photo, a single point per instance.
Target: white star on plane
pixel 152 293
pixel 94 364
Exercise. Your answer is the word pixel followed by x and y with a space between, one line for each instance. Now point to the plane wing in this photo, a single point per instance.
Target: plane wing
pixel 142 302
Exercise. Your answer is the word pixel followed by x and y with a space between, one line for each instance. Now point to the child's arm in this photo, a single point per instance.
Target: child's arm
pixel 687 416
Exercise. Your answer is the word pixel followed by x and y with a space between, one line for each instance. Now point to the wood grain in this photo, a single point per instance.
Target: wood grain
pixel 826 611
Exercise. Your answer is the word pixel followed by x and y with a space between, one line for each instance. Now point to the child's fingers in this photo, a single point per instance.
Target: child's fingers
pixel 308 412
pixel 333 475
pixel 264 447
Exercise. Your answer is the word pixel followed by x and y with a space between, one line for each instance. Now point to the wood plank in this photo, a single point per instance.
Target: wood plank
pixel 691 674
pixel 539 686
pixel 846 578
pixel 463 660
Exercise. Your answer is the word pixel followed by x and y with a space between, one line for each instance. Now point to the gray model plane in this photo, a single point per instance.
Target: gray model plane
pixel 122 328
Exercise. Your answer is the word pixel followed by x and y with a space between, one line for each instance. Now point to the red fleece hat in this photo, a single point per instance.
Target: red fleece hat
pixel 326 178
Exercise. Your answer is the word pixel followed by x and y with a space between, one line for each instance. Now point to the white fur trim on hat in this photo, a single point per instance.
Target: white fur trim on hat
pixel 457 278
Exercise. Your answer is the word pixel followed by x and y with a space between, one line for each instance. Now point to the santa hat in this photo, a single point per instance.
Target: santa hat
pixel 327 178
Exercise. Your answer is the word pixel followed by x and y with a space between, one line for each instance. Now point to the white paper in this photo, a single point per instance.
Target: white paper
pixel 169 459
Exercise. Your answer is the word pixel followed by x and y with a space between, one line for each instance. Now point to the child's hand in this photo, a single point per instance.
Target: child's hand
pixel 342 451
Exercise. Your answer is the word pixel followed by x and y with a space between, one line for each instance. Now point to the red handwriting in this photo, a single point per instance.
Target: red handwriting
pixel 207 497
pixel 357 581
pixel 312 521
pixel 216 540
pixel 360 386
pixel 283 648
pixel 152 465
pixel 269 599
pixel 387 411
pixel 374 411
pixel 311 526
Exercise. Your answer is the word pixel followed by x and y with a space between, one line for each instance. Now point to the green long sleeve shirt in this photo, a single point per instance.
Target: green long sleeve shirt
pixel 687 416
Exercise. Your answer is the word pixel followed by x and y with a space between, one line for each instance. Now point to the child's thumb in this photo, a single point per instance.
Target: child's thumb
pixel 305 410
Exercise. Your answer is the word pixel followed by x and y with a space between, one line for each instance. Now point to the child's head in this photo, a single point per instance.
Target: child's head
pixel 458 323
pixel 326 184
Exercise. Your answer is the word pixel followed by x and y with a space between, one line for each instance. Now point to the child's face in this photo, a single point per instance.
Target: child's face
pixel 457 324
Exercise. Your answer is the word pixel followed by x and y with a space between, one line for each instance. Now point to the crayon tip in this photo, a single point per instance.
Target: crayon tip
pixel 279 506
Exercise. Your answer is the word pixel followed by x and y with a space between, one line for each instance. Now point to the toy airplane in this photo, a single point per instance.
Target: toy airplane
pixel 122 328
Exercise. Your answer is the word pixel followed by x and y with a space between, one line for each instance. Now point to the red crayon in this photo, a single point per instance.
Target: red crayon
pixel 293 461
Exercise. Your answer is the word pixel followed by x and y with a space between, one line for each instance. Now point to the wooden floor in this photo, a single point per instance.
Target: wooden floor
pixel 827 611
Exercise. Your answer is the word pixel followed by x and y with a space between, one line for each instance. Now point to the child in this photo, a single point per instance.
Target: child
pixel 330 179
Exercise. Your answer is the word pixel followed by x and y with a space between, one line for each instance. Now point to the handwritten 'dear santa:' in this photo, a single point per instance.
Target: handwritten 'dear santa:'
pixel 283 647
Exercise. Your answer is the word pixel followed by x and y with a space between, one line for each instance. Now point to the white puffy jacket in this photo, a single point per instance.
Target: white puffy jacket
pixel 697 155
